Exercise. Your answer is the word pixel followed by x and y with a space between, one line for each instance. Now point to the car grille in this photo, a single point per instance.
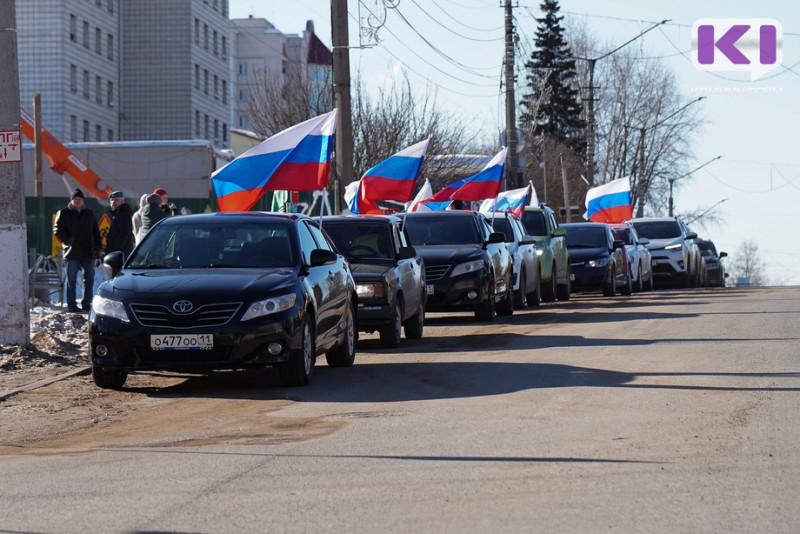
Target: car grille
pixel 436 272
pixel 204 316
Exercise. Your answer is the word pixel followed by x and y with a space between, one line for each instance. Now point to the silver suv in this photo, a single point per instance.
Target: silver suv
pixel 674 253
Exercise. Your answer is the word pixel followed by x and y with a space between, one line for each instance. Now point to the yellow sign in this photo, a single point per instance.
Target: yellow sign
pixel 104 225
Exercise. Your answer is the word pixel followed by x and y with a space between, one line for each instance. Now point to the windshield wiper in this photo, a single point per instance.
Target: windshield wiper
pixel 149 266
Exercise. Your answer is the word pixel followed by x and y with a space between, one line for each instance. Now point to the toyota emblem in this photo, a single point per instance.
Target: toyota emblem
pixel 183 306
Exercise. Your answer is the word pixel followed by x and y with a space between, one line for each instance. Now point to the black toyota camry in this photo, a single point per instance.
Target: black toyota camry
pixel 225 291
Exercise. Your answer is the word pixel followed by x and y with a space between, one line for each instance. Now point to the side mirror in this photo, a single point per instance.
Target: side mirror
pixel 723 255
pixel 322 257
pixel 691 235
pixel 406 253
pixel 113 262
pixel 559 232
pixel 527 240
pixel 618 243
pixel 644 241
pixel 496 237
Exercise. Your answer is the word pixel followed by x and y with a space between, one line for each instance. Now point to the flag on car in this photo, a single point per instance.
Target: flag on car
pixel 424 192
pixel 485 184
pixel 512 200
pixel 394 178
pixel 295 159
pixel 610 203
pixel 356 203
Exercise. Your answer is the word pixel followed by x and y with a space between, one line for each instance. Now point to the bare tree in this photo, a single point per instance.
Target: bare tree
pixel 748 264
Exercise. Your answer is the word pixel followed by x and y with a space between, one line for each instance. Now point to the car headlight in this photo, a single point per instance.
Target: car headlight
pixel 469 267
pixel 110 308
pixel 268 306
pixel 540 248
pixel 602 262
pixel 371 290
pixel 674 247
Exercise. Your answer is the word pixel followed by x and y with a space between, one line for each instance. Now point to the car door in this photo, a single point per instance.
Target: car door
pixel 498 255
pixel 337 283
pixel 528 252
pixel 409 274
pixel 560 252
pixel 319 284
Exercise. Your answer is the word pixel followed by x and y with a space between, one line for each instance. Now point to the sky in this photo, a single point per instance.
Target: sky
pixel 455 47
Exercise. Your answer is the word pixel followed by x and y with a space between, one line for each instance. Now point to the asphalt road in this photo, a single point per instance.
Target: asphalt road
pixel 667 412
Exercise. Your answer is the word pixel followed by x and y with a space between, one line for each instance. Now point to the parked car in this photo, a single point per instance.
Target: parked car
pixel 224 291
pixel 597 258
pixel 554 262
pixel 638 256
pixel 714 267
pixel 467 265
pixel 675 255
pixel 389 276
pixel 524 258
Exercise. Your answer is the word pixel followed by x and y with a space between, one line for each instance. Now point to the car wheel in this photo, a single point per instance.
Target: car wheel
pixel 686 282
pixel 610 288
pixel 109 377
pixel 640 281
pixel 563 291
pixel 416 324
pixel 300 367
pixel 651 282
pixel 519 296
pixel 486 310
pixel 390 333
pixel 549 288
pixel 535 297
pixel 627 289
pixel 344 354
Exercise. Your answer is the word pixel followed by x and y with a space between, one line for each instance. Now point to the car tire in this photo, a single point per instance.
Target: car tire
pixel 521 293
pixel 686 281
pixel 534 298
pixel 390 333
pixel 549 288
pixel 415 325
pixel 610 289
pixel 109 377
pixel 563 291
pixel 640 281
pixel 344 354
pixel 486 310
pixel 299 370
pixel 651 282
pixel 627 289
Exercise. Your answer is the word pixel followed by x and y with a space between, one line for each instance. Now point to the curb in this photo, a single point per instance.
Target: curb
pixel 45 382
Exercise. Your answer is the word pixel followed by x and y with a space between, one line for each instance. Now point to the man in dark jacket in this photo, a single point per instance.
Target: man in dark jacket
pixel 76 227
pixel 120 233
pixel 152 213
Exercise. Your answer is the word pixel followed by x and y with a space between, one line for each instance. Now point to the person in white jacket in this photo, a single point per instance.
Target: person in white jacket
pixel 137 219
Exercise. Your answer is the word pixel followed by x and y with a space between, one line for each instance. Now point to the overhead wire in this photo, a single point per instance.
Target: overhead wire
pixel 499 28
pixel 434 19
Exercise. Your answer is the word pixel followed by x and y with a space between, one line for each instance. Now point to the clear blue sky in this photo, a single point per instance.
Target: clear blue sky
pixel 756 133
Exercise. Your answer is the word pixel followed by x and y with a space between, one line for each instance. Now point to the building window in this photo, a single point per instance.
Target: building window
pixel 216 130
pixel 224 47
pixel 242 122
pixel 98 3
pixel 73 128
pixel 73 28
pixel 197 123
pixel 205 126
pixel 205 81
pixel 86 83
pixel 216 49
pixel 85 131
pixel 98 41
pixel 85 34
pixel 224 133
pixel 73 78
pixel 110 47
pixel 243 69
pixel 197 31
pixel 216 87
pixel 98 133
pixel 244 95
pixel 110 94
pixel 223 10
pixel 205 36
pixel 197 76
pixel 110 6
pixel 110 135
pixel 98 90
pixel 224 92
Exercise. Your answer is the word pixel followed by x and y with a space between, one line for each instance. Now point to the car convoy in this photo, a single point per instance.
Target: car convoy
pixel 251 290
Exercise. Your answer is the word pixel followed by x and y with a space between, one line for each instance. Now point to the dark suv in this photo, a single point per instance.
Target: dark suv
pixel 389 276
pixel 467 264
pixel 224 291
pixel 712 261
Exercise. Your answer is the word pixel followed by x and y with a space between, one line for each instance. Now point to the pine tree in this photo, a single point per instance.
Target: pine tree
pixel 552 106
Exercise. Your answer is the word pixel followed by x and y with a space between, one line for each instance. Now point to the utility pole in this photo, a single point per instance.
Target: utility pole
pixel 590 125
pixel 14 314
pixel 512 167
pixel 341 100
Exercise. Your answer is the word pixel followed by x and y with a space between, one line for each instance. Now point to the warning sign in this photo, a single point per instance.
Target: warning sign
pixel 10 146
pixel 104 225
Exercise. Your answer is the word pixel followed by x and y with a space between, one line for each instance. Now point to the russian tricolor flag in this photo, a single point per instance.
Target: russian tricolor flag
pixel 512 200
pixel 610 203
pixel 296 159
pixel 394 178
pixel 356 203
pixel 485 184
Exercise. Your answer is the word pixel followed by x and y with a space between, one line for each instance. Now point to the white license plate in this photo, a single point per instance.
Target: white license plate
pixel 571 277
pixel 182 342
pixel 429 289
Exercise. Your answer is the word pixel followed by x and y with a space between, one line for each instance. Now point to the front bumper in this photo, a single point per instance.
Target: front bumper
pixel 668 264
pixel 586 277
pixel 463 293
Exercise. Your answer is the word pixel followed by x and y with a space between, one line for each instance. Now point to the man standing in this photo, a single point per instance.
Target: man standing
pixel 76 227
pixel 151 214
pixel 120 233
pixel 168 207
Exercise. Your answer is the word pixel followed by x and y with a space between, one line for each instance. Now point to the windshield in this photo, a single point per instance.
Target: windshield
pixel 178 246
pixel 586 236
pixel 658 229
pixel 358 241
pixel 624 234
pixel 534 223
pixel 501 224
pixel 443 231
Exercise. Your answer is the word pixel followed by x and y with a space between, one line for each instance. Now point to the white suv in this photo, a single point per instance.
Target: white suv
pixel 674 253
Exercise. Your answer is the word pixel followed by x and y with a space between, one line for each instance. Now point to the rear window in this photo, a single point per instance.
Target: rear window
pixel 501 224
pixel 443 231
pixel 361 240
pixel 586 236
pixel 658 229
pixel 534 223
pixel 624 234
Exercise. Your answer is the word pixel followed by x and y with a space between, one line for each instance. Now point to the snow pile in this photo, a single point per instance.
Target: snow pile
pixel 58 339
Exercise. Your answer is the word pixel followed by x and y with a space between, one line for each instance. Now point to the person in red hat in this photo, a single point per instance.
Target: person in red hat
pixel 76 227
pixel 168 208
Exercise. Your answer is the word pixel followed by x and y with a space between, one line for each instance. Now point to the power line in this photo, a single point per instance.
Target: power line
pixel 434 19
pixel 499 28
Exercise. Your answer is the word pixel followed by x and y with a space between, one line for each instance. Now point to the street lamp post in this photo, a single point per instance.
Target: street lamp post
pixel 673 180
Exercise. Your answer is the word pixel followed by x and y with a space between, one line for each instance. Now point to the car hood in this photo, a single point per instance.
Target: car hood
pixel 586 254
pixel 201 284
pixel 368 271
pixel 448 254
pixel 656 244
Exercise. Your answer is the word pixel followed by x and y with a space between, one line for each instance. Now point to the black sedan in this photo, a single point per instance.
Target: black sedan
pixel 597 259
pixel 467 264
pixel 225 291
pixel 390 277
